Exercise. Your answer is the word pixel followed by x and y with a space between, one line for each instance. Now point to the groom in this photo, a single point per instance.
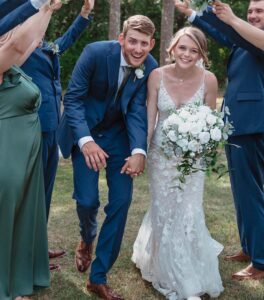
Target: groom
pixel 105 108
pixel 245 99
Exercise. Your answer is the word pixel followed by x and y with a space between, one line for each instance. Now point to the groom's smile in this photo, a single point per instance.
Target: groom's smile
pixel 135 46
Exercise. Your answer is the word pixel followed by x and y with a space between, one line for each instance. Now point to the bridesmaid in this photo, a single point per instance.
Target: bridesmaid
pixel 23 234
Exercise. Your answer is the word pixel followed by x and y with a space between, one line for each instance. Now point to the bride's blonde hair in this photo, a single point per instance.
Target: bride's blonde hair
pixel 196 35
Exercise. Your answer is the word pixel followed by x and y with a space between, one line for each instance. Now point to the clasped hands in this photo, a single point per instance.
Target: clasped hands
pixel 96 159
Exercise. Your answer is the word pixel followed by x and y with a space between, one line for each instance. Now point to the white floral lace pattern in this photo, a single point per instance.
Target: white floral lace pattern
pixel 174 249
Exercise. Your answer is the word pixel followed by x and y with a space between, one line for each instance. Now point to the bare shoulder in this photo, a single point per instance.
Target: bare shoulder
pixel 154 78
pixel 210 79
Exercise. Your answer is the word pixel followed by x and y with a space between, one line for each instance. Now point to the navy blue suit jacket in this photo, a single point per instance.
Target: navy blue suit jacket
pixel 93 85
pixel 43 66
pixel 14 12
pixel 244 94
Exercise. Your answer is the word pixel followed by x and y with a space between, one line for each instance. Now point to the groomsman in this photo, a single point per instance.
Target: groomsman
pixel 14 12
pixel 44 67
pixel 244 97
pixel 105 108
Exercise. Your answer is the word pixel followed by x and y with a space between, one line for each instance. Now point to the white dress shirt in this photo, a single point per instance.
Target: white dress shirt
pixel 38 3
pixel 86 139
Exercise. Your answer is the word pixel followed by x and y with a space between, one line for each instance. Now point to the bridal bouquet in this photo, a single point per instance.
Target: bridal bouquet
pixel 193 134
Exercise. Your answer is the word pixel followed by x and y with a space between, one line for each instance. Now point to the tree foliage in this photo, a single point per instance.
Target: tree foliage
pixel 99 29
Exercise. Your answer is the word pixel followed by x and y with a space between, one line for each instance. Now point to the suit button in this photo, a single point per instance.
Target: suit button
pixel 100 135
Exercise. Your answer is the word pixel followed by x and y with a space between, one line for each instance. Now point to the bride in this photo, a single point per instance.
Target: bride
pixel 173 249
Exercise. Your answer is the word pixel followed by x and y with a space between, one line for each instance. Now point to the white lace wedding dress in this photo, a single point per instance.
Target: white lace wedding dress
pixel 174 249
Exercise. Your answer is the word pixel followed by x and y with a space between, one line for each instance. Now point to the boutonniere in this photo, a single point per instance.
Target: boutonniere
pixel 139 72
pixel 54 48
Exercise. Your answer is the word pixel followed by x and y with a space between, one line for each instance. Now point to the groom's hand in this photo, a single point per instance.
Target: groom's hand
pixel 134 165
pixel 95 157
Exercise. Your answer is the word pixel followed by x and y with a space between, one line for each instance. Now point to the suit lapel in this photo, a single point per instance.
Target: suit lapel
pixel 113 64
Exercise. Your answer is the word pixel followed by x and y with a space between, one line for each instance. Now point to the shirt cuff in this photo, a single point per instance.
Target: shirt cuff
pixel 84 140
pixel 138 151
pixel 38 3
pixel 192 16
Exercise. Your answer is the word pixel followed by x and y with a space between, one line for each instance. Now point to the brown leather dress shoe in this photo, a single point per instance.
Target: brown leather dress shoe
pixel 239 256
pixel 56 253
pixel 103 291
pixel 83 256
pixel 54 267
pixel 249 273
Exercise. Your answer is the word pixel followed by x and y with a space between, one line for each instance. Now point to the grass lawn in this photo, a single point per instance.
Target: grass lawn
pixel 124 277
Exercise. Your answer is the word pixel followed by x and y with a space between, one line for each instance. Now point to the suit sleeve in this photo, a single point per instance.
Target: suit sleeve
pixel 7 6
pixel 73 33
pixel 77 93
pixel 136 117
pixel 17 16
pixel 231 34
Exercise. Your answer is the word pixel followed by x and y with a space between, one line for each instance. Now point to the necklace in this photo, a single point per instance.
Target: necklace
pixel 179 80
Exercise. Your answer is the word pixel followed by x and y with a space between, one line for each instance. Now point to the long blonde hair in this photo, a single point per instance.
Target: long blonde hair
pixel 196 35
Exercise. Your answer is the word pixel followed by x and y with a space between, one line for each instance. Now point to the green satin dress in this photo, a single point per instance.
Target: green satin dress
pixel 24 263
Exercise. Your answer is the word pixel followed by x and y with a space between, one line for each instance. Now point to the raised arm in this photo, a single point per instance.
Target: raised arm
pixel 26 38
pixel 200 22
pixel 77 27
pixel 249 32
pixel 16 12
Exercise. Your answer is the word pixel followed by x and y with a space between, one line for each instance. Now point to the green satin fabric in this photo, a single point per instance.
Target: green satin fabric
pixel 24 263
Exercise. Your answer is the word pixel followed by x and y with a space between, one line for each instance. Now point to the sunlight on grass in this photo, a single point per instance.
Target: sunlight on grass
pixel 124 277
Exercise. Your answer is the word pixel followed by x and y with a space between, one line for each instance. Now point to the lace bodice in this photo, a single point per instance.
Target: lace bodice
pixel 166 104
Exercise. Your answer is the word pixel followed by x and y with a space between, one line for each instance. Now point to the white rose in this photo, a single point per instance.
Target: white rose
pixel 195 128
pixel 184 127
pixel 204 137
pixel 174 119
pixel 193 146
pixel 216 134
pixel 205 109
pixel 183 143
pixel 211 119
pixel 139 73
pixel 172 136
pixel 202 124
pixel 201 115
pixel 184 114
pixel 193 118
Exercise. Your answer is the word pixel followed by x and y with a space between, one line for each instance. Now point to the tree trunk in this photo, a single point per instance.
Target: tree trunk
pixel 114 19
pixel 166 29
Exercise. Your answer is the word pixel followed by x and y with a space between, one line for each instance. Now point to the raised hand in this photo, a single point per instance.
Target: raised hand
pixel 183 7
pixel 134 165
pixel 55 4
pixel 224 12
pixel 95 157
pixel 87 7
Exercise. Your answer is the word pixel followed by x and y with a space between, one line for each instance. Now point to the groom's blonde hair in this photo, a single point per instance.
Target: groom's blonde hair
pixel 139 23
pixel 194 34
